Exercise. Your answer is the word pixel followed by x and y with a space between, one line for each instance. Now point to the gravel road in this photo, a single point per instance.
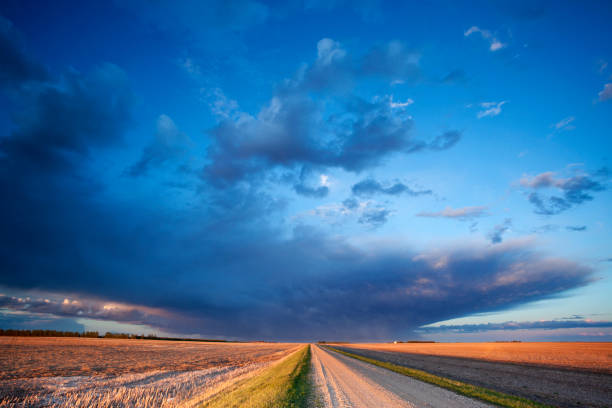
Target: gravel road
pixel 346 382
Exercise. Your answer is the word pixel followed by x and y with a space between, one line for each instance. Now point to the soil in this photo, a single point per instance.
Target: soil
pixel 562 387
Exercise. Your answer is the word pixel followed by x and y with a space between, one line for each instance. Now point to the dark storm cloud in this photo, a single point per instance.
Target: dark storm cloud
pixel 497 234
pixel 370 187
pixel 16 67
pixel 289 132
pixel 227 275
pixel 575 190
pixel 293 128
pixel 541 325
pixel 58 123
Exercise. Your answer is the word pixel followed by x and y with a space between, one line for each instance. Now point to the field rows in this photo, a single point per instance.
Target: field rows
pixel 73 372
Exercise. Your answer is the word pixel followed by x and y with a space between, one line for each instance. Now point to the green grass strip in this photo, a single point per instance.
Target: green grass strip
pixel 283 385
pixel 472 391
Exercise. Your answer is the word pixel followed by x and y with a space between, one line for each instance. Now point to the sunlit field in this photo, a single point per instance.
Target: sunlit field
pixel 589 356
pixel 76 372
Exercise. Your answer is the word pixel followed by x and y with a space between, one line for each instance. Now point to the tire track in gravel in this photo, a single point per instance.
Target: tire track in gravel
pixel 343 382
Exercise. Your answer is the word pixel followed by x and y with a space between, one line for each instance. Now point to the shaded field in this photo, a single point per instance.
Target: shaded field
pixel 31 357
pixel 582 356
pixel 77 372
pixel 562 387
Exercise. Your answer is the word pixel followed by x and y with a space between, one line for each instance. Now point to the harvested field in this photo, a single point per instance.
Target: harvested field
pixel 584 356
pixel 77 372
pixel 27 357
pixel 560 387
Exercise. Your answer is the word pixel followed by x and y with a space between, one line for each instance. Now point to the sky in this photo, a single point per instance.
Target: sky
pixel 307 170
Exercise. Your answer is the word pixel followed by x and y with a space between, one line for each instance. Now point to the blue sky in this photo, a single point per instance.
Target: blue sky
pixel 307 170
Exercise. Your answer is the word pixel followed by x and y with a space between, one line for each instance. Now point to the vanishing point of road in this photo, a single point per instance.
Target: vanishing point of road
pixel 342 381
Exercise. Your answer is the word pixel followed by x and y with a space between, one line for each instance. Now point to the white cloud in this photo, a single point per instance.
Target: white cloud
pixel 494 43
pixel 324 180
pixel 490 109
pixel 407 102
pixel 563 124
pixel 471 30
pixel 605 93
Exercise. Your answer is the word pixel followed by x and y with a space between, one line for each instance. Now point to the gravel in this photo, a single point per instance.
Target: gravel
pixel 346 382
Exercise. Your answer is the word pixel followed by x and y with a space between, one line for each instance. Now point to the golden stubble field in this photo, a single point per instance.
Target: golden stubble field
pixel 586 356
pixel 82 372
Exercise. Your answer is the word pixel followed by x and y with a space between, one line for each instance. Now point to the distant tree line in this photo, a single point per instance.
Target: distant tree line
pixel 91 334
pixel 47 333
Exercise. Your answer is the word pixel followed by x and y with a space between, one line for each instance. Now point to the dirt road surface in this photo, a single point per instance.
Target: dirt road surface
pixel 346 382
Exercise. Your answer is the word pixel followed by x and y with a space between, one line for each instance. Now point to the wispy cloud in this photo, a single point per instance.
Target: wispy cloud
pixel 458 213
pixel 603 65
pixel 575 190
pixel 606 93
pixel 576 228
pixel 369 213
pixel 497 234
pixel 565 124
pixel 490 109
pixel 369 187
pixel 494 43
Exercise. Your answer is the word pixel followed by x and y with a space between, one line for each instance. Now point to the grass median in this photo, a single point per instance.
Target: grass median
pixel 472 391
pixel 285 384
